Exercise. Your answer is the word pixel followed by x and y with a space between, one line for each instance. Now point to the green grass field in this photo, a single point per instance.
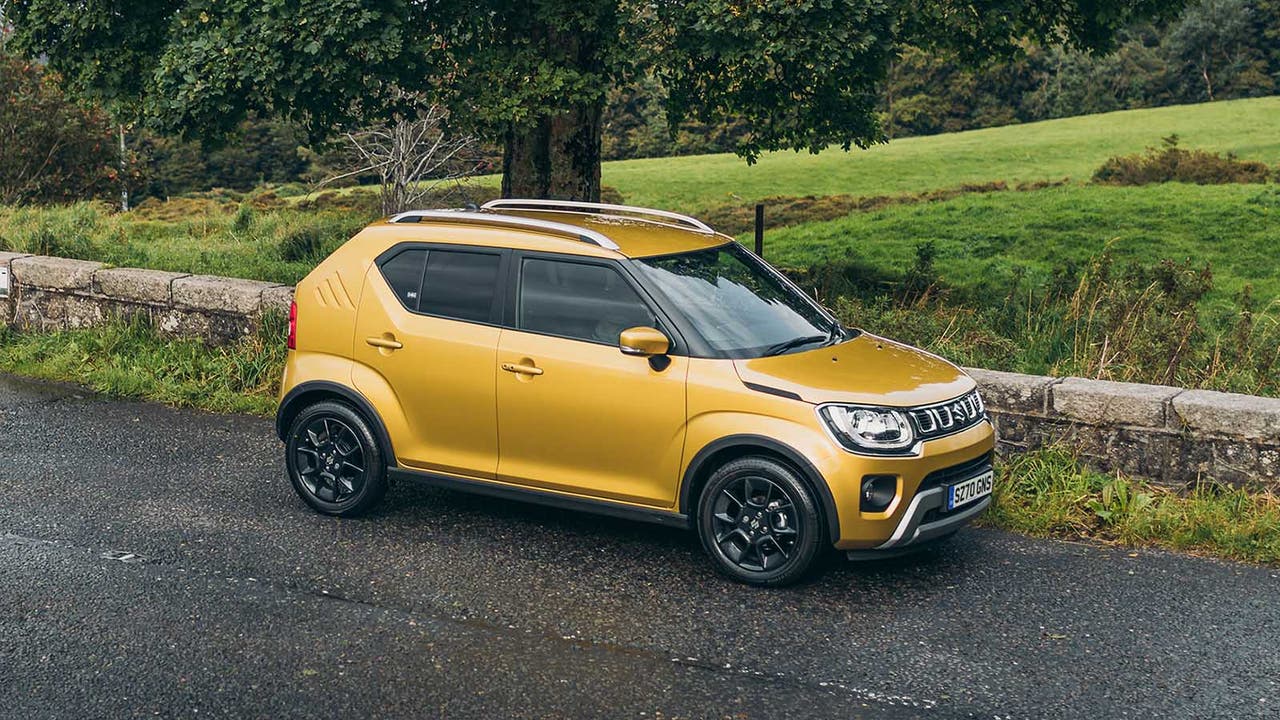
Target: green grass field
pixel 982 238
pixel 1049 150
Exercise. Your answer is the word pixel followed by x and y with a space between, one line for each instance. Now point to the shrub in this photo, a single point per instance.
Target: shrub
pixel 313 240
pixel 784 211
pixel 1171 163
pixel 53 150
pixel 243 218
pixel 1134 323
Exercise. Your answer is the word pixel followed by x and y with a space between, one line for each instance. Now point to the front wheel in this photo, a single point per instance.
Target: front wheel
pixel 334 461
pixel 758 521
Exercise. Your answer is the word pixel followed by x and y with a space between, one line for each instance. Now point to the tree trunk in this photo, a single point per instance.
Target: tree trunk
pixel 555 158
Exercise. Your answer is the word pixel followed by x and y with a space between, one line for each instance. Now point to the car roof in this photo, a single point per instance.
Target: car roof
pixel 572 228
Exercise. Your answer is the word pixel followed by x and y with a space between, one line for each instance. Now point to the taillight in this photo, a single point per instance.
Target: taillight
pixel 293 326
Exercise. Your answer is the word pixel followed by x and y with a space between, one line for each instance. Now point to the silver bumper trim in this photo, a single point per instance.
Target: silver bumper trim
pixel 911 529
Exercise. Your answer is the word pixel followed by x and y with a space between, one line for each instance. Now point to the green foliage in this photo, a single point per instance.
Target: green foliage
pixel 256 153
pixel 1137 323
pixel 51 149
pixel 800 74
pixel 310 243
pixel 205 66
pixel 243 219
pixel 1171 163
pixel 1047 493
pixel 1215 49
pixel 635 126
pixel 229 237
pixel 1215 40
pixel 128 358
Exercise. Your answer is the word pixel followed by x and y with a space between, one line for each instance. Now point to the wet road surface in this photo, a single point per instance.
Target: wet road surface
pixel 156 562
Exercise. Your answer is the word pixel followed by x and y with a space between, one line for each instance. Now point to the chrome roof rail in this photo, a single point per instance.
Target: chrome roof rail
pixel 573 206
pixel 571 232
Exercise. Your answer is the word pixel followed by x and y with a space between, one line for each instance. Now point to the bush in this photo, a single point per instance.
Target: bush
pixel 1134 322
pixel 312 242
pixel 1171 163
pixel 53 150
pixel 784 211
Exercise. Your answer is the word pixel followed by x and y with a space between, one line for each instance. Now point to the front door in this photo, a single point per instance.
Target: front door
pixel 574 413
pixel 428 328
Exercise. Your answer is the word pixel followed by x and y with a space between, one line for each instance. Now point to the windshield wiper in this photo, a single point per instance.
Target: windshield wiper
pixel 786 345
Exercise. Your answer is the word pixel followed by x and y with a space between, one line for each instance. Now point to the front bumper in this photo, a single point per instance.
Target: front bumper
pixel 917 526
pixel 921 491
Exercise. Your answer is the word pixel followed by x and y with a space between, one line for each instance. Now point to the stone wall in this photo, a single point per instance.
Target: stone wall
pixel 1170 435
pixel 49 293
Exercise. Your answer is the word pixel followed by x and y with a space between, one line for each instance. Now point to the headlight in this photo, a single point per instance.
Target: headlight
pixel 862 428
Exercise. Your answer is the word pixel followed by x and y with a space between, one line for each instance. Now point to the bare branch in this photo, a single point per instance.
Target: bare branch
pixel 412 158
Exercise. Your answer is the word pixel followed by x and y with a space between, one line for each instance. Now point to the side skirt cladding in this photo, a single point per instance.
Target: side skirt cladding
pixel 567 502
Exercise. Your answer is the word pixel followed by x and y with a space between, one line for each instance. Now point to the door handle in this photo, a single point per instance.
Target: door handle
pixel 382 342
pixel 522 369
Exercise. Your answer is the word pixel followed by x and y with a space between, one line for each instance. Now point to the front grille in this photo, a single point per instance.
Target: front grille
pixel 952 416
pixel 963 471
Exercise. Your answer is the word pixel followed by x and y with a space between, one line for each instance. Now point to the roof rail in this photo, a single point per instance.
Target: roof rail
pixel 571 232
pixel 573 206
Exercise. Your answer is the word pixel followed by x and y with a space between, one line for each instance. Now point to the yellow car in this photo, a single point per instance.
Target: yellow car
pixel 625 361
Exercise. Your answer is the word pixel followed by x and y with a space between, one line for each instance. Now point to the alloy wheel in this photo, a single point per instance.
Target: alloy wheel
pixel 330 460
pixel 755 523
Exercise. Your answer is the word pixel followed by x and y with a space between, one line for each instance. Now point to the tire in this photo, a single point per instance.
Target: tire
pixel 759 522
pixel 334 462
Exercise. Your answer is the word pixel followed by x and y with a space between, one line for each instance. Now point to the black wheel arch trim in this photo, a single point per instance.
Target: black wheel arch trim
pixel 362 405
pixel 793 456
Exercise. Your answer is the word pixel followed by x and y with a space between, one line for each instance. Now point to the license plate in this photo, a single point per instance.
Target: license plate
pixel 966 492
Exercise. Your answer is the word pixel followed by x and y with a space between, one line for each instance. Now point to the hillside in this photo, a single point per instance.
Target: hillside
pixel 1049 150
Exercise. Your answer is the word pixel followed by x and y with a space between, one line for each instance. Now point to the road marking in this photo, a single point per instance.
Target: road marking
pixel 827 685
pixel 123 556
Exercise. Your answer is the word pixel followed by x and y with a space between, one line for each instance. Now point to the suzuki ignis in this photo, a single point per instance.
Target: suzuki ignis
pixel 625 361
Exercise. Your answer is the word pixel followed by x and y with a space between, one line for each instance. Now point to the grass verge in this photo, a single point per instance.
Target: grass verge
pixel 1043 494
pixel 1048 494
pixel 129 359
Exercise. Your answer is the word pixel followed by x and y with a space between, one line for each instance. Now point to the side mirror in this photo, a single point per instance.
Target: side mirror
pixel 643 342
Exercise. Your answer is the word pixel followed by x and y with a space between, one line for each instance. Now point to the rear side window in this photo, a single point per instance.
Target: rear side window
pixel 577 300
pixel 404 274
pixel 452 284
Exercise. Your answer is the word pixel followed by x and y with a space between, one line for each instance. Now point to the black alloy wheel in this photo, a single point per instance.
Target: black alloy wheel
pixel 333 460
pixel 759 522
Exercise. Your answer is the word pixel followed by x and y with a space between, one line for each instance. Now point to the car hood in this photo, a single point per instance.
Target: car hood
pixel 866 370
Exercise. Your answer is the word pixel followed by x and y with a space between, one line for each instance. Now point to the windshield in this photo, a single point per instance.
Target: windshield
pixel 739 306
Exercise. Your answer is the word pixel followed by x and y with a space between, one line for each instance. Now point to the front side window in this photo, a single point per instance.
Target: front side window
pixel 738 306
pixel 452 284
pixel 578 300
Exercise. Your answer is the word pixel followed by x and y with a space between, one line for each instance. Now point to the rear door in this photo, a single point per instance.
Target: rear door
pixel 428 329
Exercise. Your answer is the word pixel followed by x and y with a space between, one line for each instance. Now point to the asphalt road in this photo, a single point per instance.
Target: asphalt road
pixel 155 562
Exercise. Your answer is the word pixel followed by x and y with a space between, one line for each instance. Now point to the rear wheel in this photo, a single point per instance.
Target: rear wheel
pixel 334 461
pixel 759 522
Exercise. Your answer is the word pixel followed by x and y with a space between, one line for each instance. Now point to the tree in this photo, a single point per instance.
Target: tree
pixel 51 149
pixel 412 157
pixel 1213 38
pixel 801 74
